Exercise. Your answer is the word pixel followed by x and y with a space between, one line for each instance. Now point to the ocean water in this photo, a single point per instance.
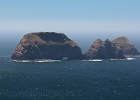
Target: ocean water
pixel 70 80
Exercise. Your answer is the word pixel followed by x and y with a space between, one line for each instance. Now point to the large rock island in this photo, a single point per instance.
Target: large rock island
pixel 46 45
pixel 104 50
pixel 127 47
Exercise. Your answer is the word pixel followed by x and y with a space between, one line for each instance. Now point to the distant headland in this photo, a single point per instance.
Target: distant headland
pixel 57 46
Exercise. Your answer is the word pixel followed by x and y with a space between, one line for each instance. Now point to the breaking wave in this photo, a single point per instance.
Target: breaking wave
pixel 125 59
pixel 117 59
pixel 131 58
pixel 36 60
pixel 94 60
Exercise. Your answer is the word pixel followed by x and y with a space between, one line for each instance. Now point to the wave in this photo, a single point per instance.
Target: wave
pixel 125 59
pixel 130 58
pixel 117 59
pixel 47 60
pixel 96 60
pixel 36 60
pixel 21 60
pixel 93 60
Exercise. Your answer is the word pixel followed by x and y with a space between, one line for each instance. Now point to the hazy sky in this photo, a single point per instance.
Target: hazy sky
pixel 70 15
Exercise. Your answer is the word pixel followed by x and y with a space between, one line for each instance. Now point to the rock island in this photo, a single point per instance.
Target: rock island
pixel 47 45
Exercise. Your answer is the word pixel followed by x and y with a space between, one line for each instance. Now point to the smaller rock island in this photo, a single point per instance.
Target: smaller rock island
pixel 127 46
pixel 104 50
pixel 47 45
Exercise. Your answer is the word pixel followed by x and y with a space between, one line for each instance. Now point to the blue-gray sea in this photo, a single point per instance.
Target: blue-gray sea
pixel 70 80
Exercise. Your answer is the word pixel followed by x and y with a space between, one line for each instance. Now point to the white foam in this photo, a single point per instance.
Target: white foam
pixel 22 60
pixel 117 59
pixel 36 60
pixel 47 60
pixel 96 60
pixel 93 60
pixel 131 58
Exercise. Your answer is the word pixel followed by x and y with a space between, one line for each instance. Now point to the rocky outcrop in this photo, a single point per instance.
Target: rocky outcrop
pixel 127 47
pixel 104 50
pixel 46 45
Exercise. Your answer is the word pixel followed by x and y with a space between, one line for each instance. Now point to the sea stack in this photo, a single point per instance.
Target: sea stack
pixel 47 45
pixel 104 50
pixel 127 47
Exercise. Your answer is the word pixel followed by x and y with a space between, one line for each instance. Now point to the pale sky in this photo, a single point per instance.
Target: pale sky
pixel 70 15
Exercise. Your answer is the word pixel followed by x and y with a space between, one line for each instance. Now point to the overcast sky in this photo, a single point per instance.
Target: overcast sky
pixel 70 15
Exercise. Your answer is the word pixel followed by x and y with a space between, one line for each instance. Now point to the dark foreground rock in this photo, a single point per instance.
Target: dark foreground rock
pixel 46 45
pixel 104 50
pixel 127 47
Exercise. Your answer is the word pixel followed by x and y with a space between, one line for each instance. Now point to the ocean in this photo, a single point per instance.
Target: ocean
pixel 70 80
pixel 67 80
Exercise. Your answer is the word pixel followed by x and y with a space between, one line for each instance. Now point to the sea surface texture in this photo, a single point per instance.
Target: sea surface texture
pixel 70 80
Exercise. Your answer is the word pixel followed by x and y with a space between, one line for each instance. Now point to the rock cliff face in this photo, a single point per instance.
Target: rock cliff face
pixel 46 45
pixel 127 47
pixel 104 50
